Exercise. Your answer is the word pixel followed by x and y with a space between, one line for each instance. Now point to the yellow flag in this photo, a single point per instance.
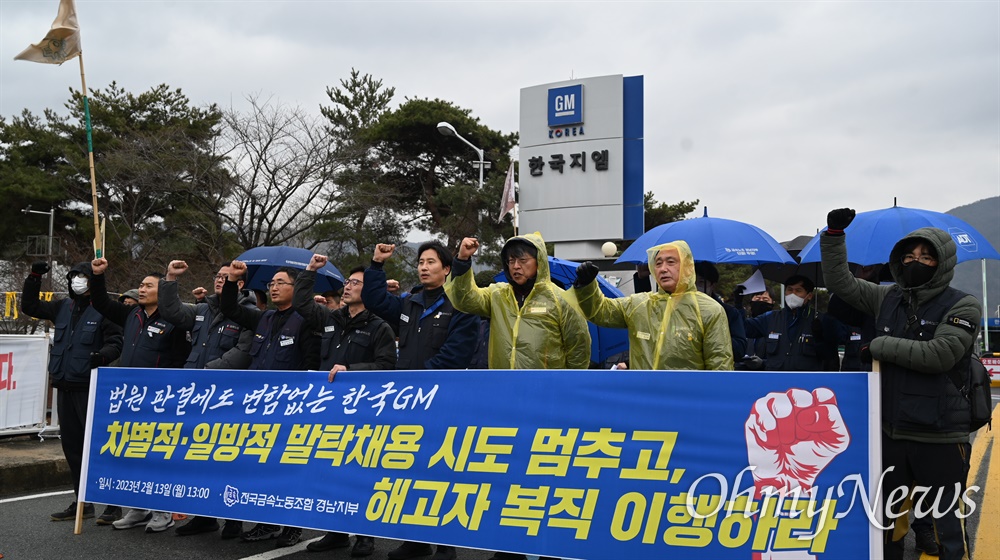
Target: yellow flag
pixel 62 41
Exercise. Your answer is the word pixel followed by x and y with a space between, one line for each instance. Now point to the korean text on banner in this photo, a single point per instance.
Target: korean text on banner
pixel 573 464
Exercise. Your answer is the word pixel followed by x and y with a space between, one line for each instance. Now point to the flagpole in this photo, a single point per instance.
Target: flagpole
pixel 515 219
pixel 986 313
pixel 98 242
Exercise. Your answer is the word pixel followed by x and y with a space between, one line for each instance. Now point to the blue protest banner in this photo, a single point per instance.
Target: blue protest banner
pixel 572 464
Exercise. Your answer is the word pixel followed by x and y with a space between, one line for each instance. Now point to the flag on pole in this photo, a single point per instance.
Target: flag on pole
pixel 60 44
pixel 507 200
pixel 62 41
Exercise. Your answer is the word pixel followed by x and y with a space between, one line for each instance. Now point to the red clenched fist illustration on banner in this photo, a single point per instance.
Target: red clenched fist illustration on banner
pixel 793 436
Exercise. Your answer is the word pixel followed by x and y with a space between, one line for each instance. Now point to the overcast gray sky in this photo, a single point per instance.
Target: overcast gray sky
pixel 768 112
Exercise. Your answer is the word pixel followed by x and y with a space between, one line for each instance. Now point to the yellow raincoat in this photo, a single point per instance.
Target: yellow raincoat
pixel 683 330
pixel 547 332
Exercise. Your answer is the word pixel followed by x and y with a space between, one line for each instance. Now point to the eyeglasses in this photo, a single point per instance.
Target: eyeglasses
pixel 924 259
pixel 221 276
pixel 353 282
pixel 273 283
pixel 523 261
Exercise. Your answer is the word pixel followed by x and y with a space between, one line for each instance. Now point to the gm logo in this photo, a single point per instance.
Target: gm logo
pixel 566 105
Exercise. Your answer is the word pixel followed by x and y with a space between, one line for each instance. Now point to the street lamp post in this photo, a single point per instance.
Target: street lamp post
pixel 51 213
pixel 448 130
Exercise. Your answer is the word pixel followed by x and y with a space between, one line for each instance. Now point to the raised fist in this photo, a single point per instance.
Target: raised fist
pixel 317 262
pixel 839 219
pixel 792 436
pixel 175 269
pixel 383 251
pixel 237 271
pixel 39 267
pixel 585 274
pixel 468 248
pixel 199 293
pixel 99 265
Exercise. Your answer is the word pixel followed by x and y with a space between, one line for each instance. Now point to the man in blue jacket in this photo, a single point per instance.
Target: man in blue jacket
pixel 282 341
pixel 83 339
pixel 432 334
pixel 217 342
pixel 149 341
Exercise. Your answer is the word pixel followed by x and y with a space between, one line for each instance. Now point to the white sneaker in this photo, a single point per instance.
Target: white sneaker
pixel 161 521
pixel 133 518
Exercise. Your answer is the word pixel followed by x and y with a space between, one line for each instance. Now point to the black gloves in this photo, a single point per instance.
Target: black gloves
pixel 39 268
pixel 838 220
pixel 753 363
pixel 738 296
pixel 96 359
pixel 585 274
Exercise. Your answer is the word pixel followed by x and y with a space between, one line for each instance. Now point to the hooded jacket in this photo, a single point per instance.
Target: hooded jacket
pixel 683 330
pixel 546 332
pixel 80 331
pixel 910 365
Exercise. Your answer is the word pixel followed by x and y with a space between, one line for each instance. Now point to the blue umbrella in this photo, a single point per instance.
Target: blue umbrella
pixel 604 342
pixel 263 262
pixel 871 235
pixel 714 240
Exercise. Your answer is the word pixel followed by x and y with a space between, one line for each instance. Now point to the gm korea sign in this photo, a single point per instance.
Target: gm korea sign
pixel 576 188
pixel 566 105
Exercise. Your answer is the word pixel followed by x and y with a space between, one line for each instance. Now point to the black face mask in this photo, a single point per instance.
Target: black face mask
pixel 758 308
pixel 917 273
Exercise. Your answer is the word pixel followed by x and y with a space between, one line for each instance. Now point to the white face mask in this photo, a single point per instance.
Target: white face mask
pixel 80 285
pixel 793 301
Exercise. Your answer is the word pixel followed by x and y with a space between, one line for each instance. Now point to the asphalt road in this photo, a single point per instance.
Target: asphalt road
pixel 27 534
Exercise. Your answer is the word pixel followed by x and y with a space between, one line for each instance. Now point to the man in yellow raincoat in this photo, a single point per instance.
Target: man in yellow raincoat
pixel 532 325
pixel 675 327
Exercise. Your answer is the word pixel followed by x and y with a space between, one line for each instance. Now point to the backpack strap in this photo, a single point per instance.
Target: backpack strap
pixel 948 299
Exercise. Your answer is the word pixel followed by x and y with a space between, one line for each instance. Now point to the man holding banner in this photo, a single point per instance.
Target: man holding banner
pixel 282 341
pixel 432 335
pixel 353 338
pixel 149 341
pixel 533 325
pixel 216 343
pixel 925 334
pixel 83 340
